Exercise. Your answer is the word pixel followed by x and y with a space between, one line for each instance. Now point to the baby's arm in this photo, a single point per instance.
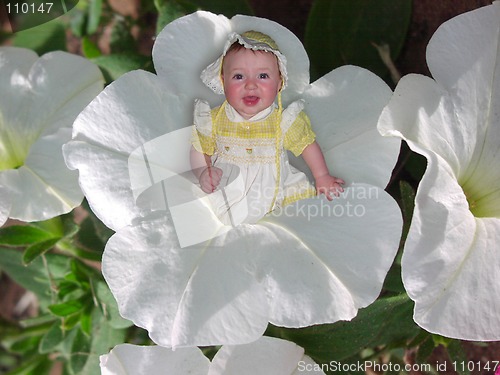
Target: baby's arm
pixel 208 175
pixel 325 184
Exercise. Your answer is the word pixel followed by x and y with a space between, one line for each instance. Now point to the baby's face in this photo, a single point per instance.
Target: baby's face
pixel 251 80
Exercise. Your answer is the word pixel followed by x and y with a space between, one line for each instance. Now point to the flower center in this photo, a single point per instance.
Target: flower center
pixel 13 151
pixel 7 162
pixel 484 205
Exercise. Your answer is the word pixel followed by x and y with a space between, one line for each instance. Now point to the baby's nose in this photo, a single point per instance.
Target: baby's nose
pixel 251 84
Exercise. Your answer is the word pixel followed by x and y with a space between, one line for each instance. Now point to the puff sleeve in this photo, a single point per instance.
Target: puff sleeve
pixel 296 128
pixel 202 138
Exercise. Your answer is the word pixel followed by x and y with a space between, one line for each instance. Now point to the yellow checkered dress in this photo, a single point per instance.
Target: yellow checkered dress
pixel 245 150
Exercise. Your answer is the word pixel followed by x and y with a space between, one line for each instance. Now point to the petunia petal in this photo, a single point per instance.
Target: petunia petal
pixel 41 97
pixel 345 265
pixel 344 106
pixel 439 249
pixel 44 187
pixel 149 360
pixel 265 264
pixel 5 204
pixel 129 112
pixel 463 57
pixel 73 83
pixel 420 100
pixel 479 87
pixel 185 47
pixel 16 135
pixel 449 263
pixel 265 356
pixel 189 304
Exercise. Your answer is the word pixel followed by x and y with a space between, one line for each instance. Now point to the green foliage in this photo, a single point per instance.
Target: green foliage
pixel 50 36
pixel 341 32
pixel 115 65
pixel 76 306
pixel 169 10
pixel 386 321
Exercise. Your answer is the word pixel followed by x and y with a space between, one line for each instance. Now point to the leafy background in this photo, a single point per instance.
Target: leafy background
pixel 56 313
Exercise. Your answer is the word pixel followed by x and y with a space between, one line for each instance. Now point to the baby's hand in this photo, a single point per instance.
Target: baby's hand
pixel 210 179
pixel 329 185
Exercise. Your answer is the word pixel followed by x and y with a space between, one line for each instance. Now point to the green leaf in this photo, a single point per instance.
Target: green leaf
pixel 110 307
pixel 94 16
pixel 55 225
pixel 71 321
pixel 30 366
pixel 34 277
pixel 416 165
pixel 22 340
pixel 43 320
pixel 169 11
pixel 122 40
pixel 113 66
pixel 103 338
pixel 408 204
pixel 70 228
pixel 34 251
pixel 425 349
pixel 393 282
pixel 80 352
pixel 23 235
pixel 52 338
pixel 83 273
pixel 93 234
pixel 407 199
pixel 66 287
pixel 26 344
pixel 50 36
pixel 458 355
pixel 78 22
pixel 67 308
pixel 340 32
pixel 387 320
pixel 228 8
pixel 89 48
pixel 86 319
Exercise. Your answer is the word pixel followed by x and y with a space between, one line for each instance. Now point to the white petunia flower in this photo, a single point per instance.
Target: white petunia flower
pixel 315 262
pixel 40 98
pixel 451 257
pixel 265 356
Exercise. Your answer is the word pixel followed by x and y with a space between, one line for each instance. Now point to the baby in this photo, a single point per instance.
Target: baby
pixel 241 145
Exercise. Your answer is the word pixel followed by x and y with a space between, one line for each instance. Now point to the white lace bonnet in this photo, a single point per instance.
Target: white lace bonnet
pixel 255 40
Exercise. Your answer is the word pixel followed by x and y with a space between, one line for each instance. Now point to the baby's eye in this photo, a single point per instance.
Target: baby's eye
pixel 238 76
pixel 263 75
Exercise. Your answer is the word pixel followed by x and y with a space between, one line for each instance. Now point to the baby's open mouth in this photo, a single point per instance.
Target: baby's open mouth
pixel 251 100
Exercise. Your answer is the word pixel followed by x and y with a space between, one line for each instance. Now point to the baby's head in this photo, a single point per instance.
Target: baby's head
pixel 251 79
pixel 250 72
pixel 255 41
